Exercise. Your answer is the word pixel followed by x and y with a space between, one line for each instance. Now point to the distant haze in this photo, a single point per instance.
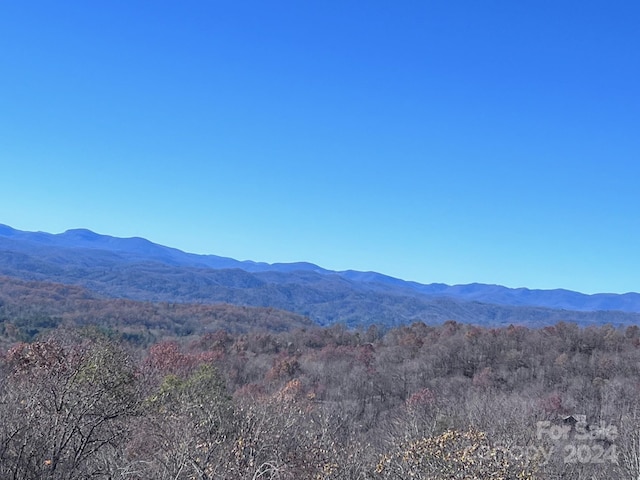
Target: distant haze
pixel 137 269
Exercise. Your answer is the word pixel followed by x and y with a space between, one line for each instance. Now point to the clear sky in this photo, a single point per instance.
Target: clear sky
pixel 437 141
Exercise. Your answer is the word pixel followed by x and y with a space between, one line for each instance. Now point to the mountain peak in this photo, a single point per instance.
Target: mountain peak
pixel 7 231
pixel 81 232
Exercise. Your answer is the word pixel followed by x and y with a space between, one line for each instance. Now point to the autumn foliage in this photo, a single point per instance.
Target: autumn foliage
pixel 428 402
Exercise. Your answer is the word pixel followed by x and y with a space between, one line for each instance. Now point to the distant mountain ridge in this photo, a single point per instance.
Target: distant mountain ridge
pixel 139 269
pixel 130 249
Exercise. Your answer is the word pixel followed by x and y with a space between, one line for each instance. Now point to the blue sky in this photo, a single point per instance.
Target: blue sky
pixel 436 141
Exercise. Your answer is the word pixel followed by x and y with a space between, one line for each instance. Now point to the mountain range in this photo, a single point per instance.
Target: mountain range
pixel 138 269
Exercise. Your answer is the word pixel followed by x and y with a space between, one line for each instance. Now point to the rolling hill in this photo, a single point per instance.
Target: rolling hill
pixel 28 308
pixel 137 269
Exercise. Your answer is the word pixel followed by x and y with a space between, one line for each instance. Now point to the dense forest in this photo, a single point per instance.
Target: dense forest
pixel 28 309
pixel 427 402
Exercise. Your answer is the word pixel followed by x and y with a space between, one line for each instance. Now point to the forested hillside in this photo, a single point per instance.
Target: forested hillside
pixel 136 367
pixel 426 402
pixel 137 269
pixel 28 309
